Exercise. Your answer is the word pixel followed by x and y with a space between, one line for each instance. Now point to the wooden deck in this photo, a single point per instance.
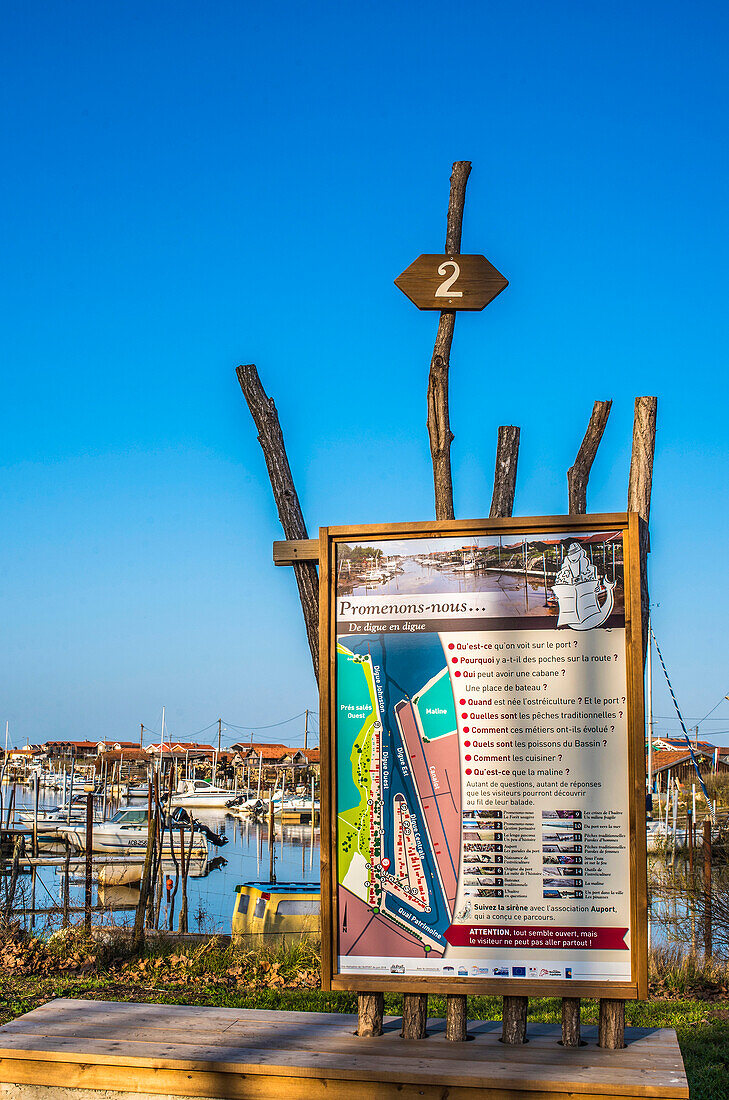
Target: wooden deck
pixel 170 1050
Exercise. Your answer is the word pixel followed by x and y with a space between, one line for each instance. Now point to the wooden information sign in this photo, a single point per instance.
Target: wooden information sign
pixel 483 770
pixel 451 282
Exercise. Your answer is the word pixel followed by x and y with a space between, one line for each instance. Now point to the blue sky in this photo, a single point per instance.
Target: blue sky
pixel 188 187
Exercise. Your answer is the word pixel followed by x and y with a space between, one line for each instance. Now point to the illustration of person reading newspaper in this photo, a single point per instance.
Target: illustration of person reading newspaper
pixel 576 589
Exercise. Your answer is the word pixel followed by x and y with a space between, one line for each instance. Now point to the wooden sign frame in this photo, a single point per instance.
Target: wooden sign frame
pixel 329 537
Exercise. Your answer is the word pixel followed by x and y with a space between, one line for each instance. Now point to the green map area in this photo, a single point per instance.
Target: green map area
pixel 435 707
pixel 355 721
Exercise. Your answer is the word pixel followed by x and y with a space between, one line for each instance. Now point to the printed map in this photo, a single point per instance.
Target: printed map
pixel 398 795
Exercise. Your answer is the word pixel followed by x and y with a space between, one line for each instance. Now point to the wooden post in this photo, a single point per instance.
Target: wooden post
pixel 570 1021
pixel 690 838
pixel 513 1030
pixel 507 455
pixel 36 796
pixel 415 1006
pixel 577 478
pixel 370 1010
pixel 439 428
pixel 271 840
pixel 271 439
pixel 89 857
pixel 66 884
pixel 707 888
pixel 514 1009
pixel 415 1015
pixel 611 1029
pixel 456 1018
pixel 639 489
pixel 579 474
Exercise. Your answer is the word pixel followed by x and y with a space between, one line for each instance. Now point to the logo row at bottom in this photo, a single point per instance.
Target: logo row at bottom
pixel 500 971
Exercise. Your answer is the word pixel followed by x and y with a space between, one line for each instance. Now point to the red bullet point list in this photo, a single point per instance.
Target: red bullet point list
pixel 456 673
pixel 467 757
pixel 468 771
pixel 467 744
pixel 462 702
pixel 466 729
pixel 451 646
pixel 454 660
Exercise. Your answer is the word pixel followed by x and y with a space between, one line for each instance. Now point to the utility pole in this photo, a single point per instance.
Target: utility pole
pixel 141 735
pixel 220 728
pixel 306 729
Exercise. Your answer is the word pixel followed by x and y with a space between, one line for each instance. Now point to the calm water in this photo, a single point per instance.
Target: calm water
pixel 211 895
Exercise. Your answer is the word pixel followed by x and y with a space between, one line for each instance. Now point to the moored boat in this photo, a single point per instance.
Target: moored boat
pixel 277 912
pixel 198 793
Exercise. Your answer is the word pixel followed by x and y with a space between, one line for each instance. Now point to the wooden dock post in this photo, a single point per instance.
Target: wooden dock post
pixel 89 859
pixel 707 888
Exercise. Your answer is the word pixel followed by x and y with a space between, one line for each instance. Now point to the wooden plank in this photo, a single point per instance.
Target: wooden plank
pixel 185 1046
pixel 324 1031
pixel 262 1087
pixel 510 986
pixel 288 552
pixel 317 1048
pixel 637 763
pixel 608 1079
pixel 595 521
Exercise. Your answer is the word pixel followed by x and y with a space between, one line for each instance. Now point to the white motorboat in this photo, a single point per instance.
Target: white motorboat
pixel 126 833
pixel 199 794
pixel 137 790
pixel 53 823
pixel 295 806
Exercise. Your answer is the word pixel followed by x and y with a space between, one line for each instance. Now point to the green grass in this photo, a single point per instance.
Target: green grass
pixel 213 974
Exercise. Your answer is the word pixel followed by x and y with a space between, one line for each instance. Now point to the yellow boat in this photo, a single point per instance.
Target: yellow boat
pixel 277 912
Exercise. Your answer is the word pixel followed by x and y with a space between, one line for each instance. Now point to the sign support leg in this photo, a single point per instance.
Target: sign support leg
pixel 456 1017
pixel 611 1030
pixel 570 1021
pixel 513 1032
pixel 370 1010
pixel 414 1015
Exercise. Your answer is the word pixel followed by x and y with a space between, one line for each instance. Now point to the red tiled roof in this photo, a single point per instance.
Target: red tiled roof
pixel 669 757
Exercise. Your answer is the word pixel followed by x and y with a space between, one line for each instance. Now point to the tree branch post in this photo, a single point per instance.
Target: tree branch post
pixel 370 1010
pixel 439 428
pixel 577 479
pixel 640 484
pixel 514 1009
pixel 415 1005
pixel 570 1021
pixel 270 436
pixel 507 456
pixel 579 474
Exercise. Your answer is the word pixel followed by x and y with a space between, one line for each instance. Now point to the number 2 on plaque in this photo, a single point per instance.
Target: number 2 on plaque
pixel 444 290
